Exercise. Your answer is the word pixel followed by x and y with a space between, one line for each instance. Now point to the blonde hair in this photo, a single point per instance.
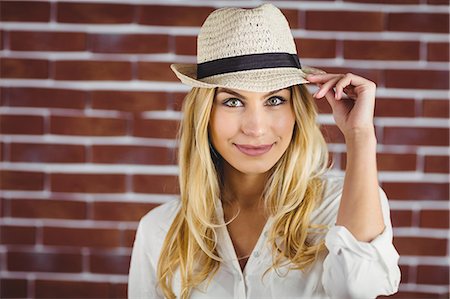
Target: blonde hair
pixel 293 190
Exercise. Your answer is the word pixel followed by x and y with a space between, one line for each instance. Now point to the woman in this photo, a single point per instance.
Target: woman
pixel 259 215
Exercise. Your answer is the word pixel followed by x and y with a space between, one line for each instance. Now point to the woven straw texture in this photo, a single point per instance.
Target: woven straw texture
pixel 230 32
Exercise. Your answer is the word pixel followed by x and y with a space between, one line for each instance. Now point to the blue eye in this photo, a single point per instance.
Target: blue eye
pixel 233 102
pixel 275 101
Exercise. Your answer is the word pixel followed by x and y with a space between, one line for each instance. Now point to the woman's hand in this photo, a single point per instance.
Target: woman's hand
pixel 353 114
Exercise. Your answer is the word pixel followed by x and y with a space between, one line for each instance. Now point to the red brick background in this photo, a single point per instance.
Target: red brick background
pixel 89 112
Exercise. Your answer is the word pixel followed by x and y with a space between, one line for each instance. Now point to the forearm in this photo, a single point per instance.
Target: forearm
pixel 360 208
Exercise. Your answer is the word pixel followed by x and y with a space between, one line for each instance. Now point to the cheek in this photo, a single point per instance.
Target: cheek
pixel 221 126
pixel 284 124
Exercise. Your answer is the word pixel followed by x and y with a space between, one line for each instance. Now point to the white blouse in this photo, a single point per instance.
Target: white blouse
pixel 349 269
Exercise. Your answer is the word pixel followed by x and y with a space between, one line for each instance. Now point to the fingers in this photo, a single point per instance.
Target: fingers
pixel 342 83
pixel 326 87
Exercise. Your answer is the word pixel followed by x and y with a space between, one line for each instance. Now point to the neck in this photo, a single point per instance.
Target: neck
pixel 243 189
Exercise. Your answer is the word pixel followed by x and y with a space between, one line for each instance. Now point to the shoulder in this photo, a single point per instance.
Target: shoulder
pixel 159 219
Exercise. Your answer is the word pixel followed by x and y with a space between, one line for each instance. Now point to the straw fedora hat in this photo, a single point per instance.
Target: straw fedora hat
pixel 247 49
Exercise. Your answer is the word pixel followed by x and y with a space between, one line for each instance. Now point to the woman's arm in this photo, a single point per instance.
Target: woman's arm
pixel 362 261
pixel 360 209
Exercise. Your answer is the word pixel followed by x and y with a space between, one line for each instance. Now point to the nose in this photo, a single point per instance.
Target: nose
pixel 254 122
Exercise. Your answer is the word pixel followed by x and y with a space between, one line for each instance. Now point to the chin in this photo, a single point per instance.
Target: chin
pixel 253 168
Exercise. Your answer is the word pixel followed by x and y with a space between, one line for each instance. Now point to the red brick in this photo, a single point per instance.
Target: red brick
pixel 13 288
pixel 344 21
pixel 46 98
pixel 421 79
pixel 437 2
pixel 159 184
pixel 316 48
pixel 128 238
pixel 87 183
pixel 185 45
pixel 71 289
pixel 414 295
pixel 121 211
pixel 25 11
pixel 89 126
pixel 119 290
pixel 434 218
pixel 173 15
pixel 92 70
pixel 21 124
pixel 50 153
pixel 404 270
pixel 332 134
pixel 95 13
pixel 130 101
pixel 386 1
pixel 418 22
pixel 44 262
pixel 416 136
pixel 396 162
pixel 156 128
pixel 48 209
pixel 109 263
pixel 132 155
pixel 438 52
pixel 438 164
pixel 401 218
pixel 129 43
pixel 47 41
pixel 436 108
pixel 381 50
pixel 292 16
pixel 416 191
pixel 24 68
pixel 387 107
pixel 21 180
pixel 418 246
pixel 1 40
pixel 324 107
pixel 155 71
pixel 433 274
pixel 17 235
pixel 81 237
pixel 178 99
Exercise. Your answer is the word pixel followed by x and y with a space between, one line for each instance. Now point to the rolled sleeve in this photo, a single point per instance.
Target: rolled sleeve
pixel 355 269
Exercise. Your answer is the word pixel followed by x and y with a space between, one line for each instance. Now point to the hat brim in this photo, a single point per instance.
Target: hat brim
pixel 262 80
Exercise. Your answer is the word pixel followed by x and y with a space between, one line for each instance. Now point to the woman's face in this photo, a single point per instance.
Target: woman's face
pixel 251 130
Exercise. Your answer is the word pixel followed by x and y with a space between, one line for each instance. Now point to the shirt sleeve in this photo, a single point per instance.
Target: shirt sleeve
pixel 355 269
pixel 142 276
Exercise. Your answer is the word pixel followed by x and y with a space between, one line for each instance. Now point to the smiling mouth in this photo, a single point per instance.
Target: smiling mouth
pixel 252 150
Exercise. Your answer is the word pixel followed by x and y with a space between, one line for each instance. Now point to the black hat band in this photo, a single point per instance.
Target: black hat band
pixel 247 62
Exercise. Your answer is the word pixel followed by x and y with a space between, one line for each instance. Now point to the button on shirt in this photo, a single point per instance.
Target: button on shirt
pixel 348 269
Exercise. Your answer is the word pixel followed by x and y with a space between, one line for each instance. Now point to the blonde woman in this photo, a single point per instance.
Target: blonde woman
pixel 259 215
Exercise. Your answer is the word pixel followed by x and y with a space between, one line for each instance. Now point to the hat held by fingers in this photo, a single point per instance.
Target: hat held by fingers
pixel 247 49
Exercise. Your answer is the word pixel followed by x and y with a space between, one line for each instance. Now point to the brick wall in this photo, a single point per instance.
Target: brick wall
pixel 89 110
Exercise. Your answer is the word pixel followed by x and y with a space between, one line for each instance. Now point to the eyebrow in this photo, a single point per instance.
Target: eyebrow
pixel 239 95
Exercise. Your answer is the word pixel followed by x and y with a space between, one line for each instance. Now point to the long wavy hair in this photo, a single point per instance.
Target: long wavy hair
pixel 293 190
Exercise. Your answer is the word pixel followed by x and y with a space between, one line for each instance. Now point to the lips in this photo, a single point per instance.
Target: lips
pixel 254 150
